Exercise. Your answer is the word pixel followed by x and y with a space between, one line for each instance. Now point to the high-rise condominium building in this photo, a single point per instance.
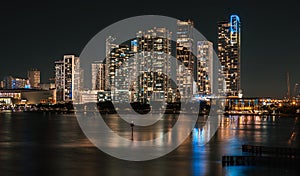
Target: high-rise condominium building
pixel 98 75
pixel 110 45
pixel 204 82
pixel 184 54
pixel 152 65
pixel 34 77
pixel 120 72
pixel 68 79
pixel 59 80
pixel 229 54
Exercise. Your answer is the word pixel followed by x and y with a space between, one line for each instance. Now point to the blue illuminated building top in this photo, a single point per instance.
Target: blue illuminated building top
pixel 234 23
pixel 134 43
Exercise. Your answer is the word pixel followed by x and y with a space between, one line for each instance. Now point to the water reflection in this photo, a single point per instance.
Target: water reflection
pixel 199 157
pixel 161 138
pixel 235 131
pixel 36 144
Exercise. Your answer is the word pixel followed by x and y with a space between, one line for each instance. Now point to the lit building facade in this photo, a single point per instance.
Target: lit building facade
pixel 59 80
pixel 103 96
pixel 204 82
pixel 88 96
pixel 120 73
pixel 1 84
pixel 34 77
pixel 109 46
pixel 15 83
pixel 229 51
pixel 68 79
pixel 98 75
pixel 184 54
pixel 152 65
pixel 7 82
pixel 30 96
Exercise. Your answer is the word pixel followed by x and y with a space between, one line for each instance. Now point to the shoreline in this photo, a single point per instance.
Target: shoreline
pixel 226 114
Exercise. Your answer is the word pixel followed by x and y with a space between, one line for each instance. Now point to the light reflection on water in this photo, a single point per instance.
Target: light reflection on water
pixel 55 145
pixel 235 131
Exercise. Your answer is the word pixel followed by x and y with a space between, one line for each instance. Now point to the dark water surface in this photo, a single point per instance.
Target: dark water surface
pixel 53 144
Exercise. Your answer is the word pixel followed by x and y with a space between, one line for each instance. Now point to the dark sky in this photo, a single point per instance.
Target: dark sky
pixel 33 34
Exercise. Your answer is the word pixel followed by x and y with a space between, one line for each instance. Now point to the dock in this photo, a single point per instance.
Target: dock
pixel 265 156
pixel 260 161
pixel 276 151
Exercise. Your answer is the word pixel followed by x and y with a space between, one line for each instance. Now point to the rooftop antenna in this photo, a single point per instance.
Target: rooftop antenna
pixel 288 86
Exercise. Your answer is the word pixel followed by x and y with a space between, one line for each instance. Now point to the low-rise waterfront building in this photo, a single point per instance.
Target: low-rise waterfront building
pixel 28 96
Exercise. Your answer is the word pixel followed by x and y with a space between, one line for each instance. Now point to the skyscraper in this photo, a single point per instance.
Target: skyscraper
pixel 229 51
pixel 120 72
pixel 204 67
pixel 98 75
pixel 110 45
pixel 34 77
pixel 68 79
pixel 59 80
pixel 153 65
pixel 184 54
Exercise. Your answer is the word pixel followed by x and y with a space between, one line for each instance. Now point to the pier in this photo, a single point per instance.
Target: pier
pixel 287 152
pixel 260 161
pixel 265 156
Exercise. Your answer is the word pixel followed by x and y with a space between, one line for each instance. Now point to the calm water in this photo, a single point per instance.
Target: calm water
pixel 53 144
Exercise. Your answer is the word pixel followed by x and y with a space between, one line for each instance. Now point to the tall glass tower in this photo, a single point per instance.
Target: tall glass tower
pixel 68 78
pixel 153 64
pixel 229 54
pixel 204 67
pixel 184 54
pixel 120 69
pixel 98 75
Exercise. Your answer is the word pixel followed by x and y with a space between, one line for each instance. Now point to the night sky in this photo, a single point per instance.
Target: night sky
pixel 33 34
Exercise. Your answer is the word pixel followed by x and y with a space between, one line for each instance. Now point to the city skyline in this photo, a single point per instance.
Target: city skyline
pixel 69 77
pixel 263 69
pixel 141 70
pixel 149 87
